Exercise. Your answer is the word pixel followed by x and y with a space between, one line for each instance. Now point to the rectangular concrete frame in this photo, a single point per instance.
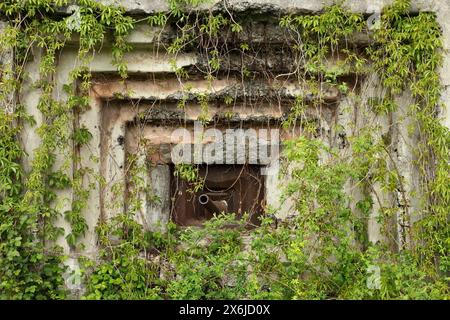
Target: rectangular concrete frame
pixel 105 154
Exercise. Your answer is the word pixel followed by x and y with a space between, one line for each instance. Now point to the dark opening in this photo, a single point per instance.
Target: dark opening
pixel 235 189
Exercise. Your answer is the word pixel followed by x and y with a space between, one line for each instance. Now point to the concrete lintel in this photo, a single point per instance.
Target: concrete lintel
pixel 136 7
pixel 172 90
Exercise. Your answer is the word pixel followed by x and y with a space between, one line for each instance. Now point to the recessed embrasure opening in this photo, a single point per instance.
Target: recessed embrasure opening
pixel 237 189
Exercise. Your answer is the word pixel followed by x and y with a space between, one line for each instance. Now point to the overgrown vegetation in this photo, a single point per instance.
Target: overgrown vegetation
pixel 320 253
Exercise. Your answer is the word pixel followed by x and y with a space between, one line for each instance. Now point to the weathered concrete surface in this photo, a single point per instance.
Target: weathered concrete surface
pixel 279 6
pixel 443 14
pixel 158 198
pixel 171 89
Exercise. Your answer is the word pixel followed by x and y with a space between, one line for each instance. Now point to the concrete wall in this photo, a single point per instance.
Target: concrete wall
pixel 108 116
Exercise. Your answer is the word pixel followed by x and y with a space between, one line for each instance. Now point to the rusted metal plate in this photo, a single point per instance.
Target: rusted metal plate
pixel 235 189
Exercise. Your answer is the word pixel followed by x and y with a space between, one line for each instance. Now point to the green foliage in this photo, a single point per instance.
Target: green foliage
pixel 82 136
pixel 210 262
pixel 322 35
pixel 28 270
pixel 31 266
pixel 189 173
pixel 407 56
pixel 125 273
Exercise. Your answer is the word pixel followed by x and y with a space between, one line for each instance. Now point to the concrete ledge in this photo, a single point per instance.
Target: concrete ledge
pixel 281 6
pixel 148 7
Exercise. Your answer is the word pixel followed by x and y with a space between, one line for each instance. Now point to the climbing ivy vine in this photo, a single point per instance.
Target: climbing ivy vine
pixel 320 253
